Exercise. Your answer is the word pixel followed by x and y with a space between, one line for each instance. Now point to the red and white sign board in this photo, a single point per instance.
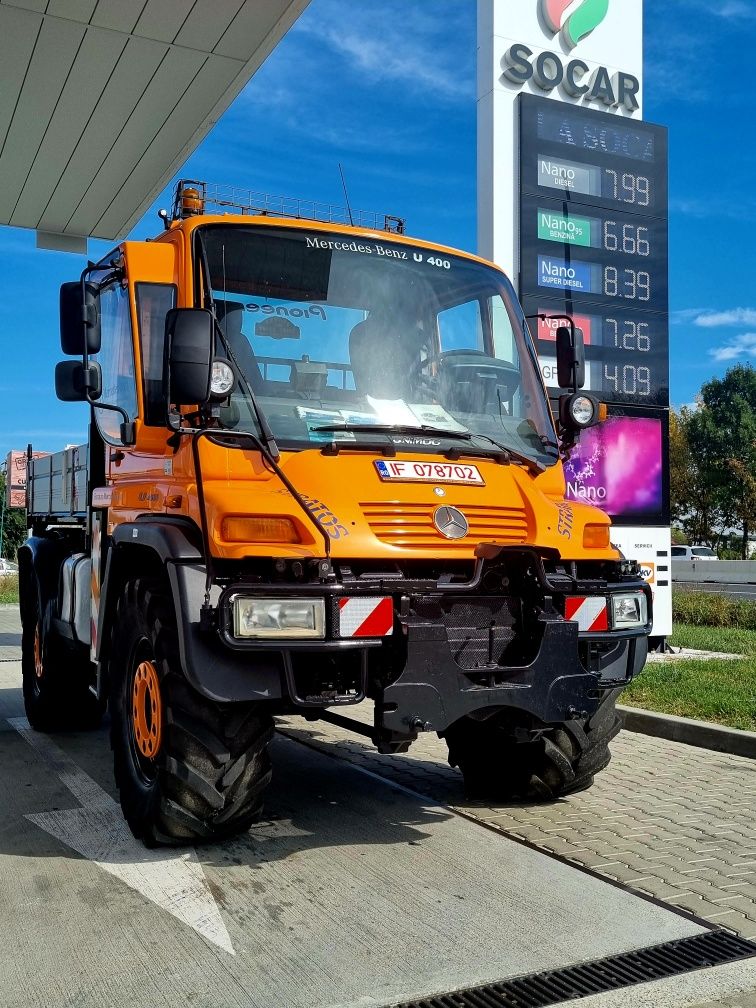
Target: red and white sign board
pixel 547 327
pixel 366 617
pixel 15 478
pixel 588 612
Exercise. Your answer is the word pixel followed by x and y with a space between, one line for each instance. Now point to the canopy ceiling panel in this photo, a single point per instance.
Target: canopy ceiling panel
pixel 103 100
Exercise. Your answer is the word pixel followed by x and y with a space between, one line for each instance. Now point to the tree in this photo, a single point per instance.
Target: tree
pixel 722 438
pixel 14 525
pixel 694 502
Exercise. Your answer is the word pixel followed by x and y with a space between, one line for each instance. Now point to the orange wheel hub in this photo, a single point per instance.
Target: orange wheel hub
pixel 38 652
pixel 147 710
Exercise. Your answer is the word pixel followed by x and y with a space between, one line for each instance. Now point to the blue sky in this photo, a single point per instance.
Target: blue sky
pixel 388 89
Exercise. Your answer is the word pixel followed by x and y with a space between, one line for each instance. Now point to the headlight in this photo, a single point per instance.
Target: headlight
pixel 629 611
pixel 271 617
pixel 222 379
pixel 583 410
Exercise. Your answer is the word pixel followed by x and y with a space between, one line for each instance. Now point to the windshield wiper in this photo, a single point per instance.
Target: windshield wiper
pixel 531 465
pixel 395 429
pixel 504 453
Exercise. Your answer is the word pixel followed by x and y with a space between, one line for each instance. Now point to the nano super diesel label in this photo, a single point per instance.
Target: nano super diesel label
pixel 565 274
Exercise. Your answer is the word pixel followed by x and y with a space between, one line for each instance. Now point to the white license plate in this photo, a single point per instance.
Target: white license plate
pixel 410 471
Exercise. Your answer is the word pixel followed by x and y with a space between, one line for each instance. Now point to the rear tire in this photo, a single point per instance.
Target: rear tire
pixel 55 677
pixel 188 770
pixel 560 763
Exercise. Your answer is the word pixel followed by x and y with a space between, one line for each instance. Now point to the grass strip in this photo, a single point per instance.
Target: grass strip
pixel 718 690
pixel 730 640
pixel 9 588
pixel 711 609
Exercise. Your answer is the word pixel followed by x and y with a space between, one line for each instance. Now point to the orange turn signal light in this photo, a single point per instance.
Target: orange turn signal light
pixel 596 536
pixel 603 412
pixel 256 528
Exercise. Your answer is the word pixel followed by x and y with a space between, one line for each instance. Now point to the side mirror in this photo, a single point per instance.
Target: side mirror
pixel 189 347
pixel 73 381
pixel 570 359
pixel 78 316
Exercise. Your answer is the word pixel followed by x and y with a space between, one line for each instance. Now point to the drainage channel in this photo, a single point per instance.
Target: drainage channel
pixel 553 987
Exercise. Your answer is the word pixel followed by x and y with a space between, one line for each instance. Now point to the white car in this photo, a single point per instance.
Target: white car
pixel 7 567
pixel 693 553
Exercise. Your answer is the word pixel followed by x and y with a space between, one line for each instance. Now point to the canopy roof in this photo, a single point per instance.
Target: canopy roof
pixel 103 100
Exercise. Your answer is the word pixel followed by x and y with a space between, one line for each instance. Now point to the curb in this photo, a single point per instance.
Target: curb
pixel 702 734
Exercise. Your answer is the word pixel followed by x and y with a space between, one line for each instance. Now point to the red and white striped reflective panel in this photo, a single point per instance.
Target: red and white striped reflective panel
pixel 366 617
pixel 589 613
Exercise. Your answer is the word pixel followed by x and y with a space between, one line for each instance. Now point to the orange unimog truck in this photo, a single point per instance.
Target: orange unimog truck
pixel 321 468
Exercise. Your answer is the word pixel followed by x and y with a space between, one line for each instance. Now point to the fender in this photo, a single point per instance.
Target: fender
pixel 172 546
pixel 39 563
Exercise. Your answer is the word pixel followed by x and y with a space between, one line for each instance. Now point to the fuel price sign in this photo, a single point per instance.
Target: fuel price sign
pixel 593 244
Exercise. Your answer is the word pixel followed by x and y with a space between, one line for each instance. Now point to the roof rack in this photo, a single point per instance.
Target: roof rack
pixel 192 197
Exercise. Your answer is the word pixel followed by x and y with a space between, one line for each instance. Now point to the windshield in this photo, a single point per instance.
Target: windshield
pixel 358 333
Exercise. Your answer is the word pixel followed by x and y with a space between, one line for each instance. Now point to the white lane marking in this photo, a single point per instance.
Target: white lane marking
pixel 174 880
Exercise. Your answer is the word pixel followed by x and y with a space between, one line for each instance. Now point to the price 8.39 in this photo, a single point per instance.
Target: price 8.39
pixel 633 285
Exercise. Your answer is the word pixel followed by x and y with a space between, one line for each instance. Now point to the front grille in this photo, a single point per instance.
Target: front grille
pixel 478 629
pixel 537 990
pixel 401 524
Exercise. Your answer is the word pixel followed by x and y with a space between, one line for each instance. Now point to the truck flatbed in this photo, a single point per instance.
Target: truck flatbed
pixel 57 485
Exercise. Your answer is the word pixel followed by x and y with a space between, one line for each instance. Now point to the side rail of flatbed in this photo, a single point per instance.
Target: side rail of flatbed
pixel 57 486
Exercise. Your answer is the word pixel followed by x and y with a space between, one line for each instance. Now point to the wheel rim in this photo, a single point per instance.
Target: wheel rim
pixel 38 664
pixel 146 714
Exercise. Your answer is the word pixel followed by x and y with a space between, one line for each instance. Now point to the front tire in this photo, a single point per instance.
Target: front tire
pixel 562 761
pixel 188 770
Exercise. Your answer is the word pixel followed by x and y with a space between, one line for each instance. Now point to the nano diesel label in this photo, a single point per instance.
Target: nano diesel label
pixel 567 176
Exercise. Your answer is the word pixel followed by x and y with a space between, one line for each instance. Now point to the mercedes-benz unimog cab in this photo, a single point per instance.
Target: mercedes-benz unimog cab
pixel 321 469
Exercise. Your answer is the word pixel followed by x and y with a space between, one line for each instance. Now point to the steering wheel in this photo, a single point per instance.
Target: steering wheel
pixel 462 372
pixel 423 382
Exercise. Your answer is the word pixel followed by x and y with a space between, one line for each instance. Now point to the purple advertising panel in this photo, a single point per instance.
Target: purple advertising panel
pixel 621 467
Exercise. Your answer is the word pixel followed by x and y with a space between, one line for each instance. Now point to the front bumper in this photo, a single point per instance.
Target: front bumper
pixel 457 647
pixel 433 692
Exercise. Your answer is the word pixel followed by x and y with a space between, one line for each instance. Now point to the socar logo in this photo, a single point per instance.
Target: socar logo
pixel 577 25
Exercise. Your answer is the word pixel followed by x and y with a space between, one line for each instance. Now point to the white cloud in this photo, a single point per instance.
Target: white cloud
pixel 684 315
pixel 734 10
pixel 740 346
pixel 732 316
pixel 396 43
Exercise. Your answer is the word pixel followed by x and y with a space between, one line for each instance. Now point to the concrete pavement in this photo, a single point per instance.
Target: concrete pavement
pixel 371 880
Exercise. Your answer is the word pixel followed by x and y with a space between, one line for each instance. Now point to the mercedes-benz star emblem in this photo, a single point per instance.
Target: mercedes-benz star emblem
pixel 450 522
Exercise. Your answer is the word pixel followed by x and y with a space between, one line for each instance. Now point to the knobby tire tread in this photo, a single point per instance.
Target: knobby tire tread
pixel 562 762
pixel 213 768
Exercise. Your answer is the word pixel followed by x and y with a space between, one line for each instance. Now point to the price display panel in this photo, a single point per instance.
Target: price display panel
pixel 626 353
pixel 596 158
pixel 593 244
pixel 593 254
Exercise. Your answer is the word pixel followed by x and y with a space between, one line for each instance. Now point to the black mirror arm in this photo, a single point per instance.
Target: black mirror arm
pixel 126 426
pixel 571 324
pixel 267 434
